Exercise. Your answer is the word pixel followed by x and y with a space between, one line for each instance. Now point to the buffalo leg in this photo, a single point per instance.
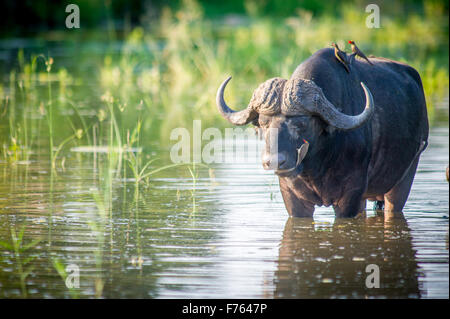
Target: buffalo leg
pixel 295 206
pixel 396 198
pixel 378 205
pixel 350 206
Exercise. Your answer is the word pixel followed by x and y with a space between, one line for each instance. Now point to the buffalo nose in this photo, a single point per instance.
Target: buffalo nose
pixel 273 161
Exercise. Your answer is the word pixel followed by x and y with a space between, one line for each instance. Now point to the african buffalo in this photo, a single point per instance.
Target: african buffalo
pixel 328 148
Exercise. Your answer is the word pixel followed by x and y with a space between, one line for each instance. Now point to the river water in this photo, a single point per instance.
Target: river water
pixel 223 234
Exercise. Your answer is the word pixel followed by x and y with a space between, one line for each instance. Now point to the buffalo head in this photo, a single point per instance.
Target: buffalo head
pixel 292 115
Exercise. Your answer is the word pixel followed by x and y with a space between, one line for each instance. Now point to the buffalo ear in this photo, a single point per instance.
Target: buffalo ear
pixel 257 127
pixel 255 122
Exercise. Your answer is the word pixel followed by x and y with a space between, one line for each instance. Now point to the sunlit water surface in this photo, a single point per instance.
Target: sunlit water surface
pixel 225 234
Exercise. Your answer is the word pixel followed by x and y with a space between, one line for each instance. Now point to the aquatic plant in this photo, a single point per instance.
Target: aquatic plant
pixel 22 262
pixel 61 269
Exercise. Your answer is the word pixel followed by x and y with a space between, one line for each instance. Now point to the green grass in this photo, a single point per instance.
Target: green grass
pixel 22 262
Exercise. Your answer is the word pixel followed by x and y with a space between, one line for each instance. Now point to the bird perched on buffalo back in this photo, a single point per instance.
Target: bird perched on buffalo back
pixel 358 52
pixel 340 56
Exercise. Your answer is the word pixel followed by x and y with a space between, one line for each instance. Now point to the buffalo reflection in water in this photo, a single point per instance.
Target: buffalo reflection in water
pixel 330 262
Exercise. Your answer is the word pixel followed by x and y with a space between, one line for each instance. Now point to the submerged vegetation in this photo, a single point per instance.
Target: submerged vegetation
pixel 116 103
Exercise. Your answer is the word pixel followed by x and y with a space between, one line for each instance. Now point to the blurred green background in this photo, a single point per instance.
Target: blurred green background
pixel 141 68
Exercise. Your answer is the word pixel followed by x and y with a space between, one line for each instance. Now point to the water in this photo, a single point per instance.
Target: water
pixel 223 237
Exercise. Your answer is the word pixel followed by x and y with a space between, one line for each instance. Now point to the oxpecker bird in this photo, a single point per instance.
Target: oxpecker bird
pixel 341 56
pixel 358 52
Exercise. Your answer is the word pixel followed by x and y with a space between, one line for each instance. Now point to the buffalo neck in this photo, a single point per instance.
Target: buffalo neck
pixel 322 158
